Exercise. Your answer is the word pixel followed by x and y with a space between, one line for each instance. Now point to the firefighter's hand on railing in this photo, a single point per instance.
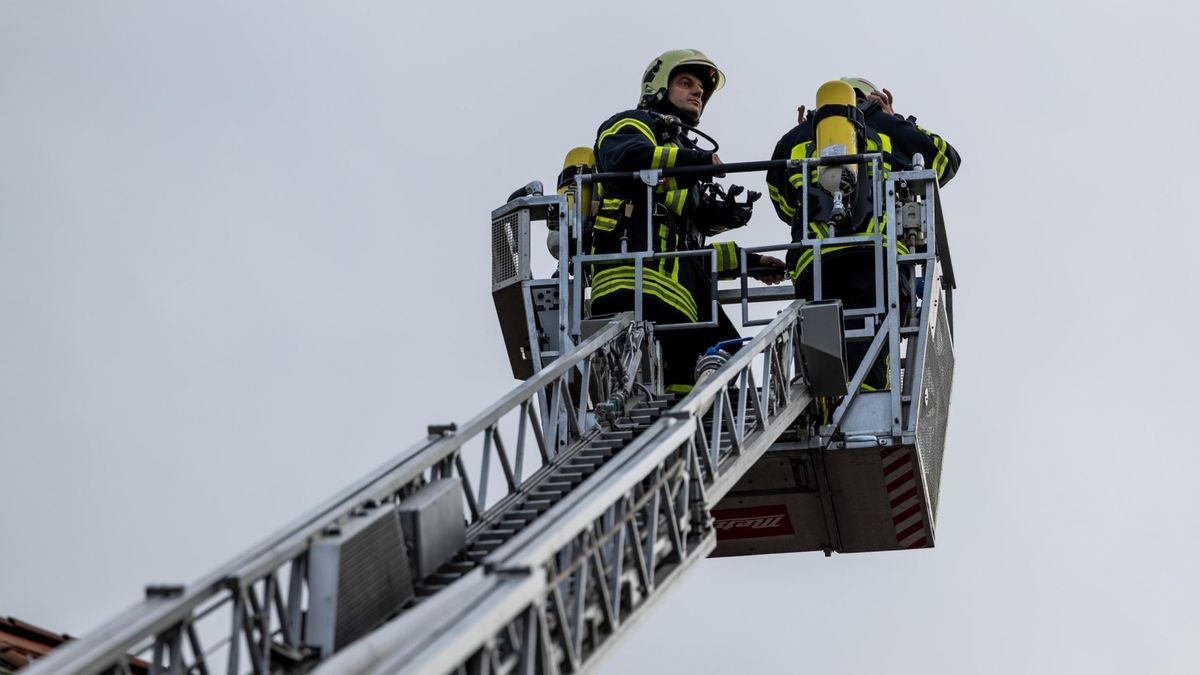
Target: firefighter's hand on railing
pixel 767 269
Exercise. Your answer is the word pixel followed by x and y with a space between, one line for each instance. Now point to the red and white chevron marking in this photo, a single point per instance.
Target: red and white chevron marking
pixel 904 495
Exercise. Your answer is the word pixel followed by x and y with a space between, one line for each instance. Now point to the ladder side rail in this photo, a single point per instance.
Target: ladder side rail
pixel 157 617
pixel 535 582
pixel 778 337
pixel 776 398
pixel 597 525
pixel 548 535
pixel 605 381
pixel 396 475
pixel 489 603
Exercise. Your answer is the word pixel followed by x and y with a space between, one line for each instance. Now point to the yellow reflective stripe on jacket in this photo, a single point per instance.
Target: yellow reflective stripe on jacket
pixel 609 215
pixel 885 141
pixel 940 161
pixel 623 123
pixel 727 257
pixel 675 199
pixel 668 241
pixel 802 151
pixel 664 245
pixel 788 209
pixel 664 157
pixel 605 224
pixel 806 256
pixel 655 283
pixel 797 179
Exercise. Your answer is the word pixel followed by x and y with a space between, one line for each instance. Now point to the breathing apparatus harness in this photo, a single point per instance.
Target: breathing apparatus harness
pixel 844 212
pixel 718 211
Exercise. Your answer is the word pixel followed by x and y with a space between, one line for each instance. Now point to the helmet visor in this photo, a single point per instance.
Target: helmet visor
pixel 714 79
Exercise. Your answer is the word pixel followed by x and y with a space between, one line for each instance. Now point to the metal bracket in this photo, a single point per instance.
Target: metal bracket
pixel 650 177
pixel 439 430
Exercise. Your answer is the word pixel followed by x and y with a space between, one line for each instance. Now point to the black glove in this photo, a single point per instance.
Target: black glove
pixel 756 268
pixel 719 210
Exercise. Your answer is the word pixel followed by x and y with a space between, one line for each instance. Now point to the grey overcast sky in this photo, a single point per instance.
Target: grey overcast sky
pixel 243 260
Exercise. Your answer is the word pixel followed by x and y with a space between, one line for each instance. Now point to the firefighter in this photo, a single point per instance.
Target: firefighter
pixel 676 87
pixel 848 272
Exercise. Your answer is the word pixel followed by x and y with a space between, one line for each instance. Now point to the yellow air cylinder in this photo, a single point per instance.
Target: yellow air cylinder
pixel 836 135
pixel 578 160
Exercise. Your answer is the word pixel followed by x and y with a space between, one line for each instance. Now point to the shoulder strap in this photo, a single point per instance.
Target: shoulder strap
pixel 838 110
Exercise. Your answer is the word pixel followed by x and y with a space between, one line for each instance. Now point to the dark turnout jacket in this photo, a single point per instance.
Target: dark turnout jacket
pixel 643 139
pixel 899 139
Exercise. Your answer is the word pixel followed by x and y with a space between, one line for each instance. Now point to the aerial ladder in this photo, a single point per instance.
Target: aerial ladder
pixel 531 538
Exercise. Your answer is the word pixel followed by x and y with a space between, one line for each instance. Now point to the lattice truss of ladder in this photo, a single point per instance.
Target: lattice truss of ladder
pixel 559 566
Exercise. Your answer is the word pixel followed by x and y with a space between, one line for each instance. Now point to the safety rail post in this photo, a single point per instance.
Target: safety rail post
pixel 893 310
pixel 572 221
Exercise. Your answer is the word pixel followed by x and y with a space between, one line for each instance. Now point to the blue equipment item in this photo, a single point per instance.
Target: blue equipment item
pixel 714 357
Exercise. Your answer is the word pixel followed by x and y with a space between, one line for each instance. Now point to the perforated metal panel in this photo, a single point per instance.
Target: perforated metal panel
pixel 359 576
pixel 433 524
pixel 510 249
pixel 933 404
